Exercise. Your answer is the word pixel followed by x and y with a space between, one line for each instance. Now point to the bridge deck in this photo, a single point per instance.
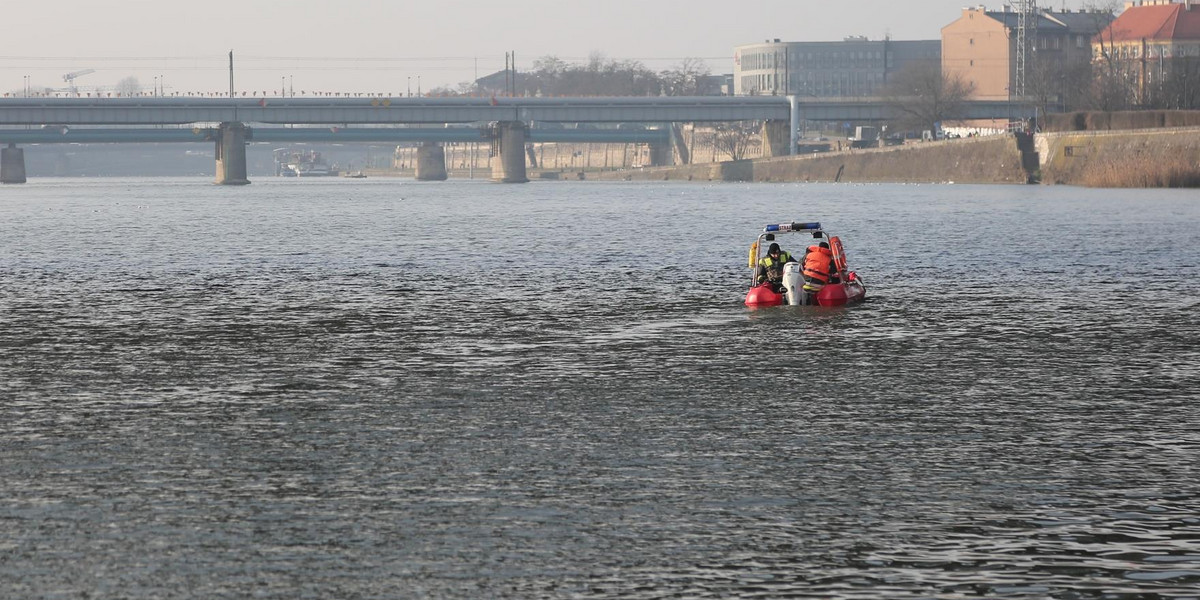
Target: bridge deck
pixel 391 111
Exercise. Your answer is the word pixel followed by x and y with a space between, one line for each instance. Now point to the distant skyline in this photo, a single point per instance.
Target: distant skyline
pixel 392 48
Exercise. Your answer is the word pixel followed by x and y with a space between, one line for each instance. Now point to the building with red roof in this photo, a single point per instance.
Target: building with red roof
pixel 1152 49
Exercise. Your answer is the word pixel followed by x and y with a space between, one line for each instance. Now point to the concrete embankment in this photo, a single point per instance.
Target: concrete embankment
pixel 1168 157
pixel 974 160
pixel 1130 158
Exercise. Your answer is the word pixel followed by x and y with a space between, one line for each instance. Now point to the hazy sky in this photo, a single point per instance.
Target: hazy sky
pixel 384 46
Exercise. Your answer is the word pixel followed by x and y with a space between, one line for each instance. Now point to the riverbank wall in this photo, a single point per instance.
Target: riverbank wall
pixel 969 160
pixel 1163 157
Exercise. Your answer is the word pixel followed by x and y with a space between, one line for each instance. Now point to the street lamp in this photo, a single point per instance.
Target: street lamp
pixel 410 86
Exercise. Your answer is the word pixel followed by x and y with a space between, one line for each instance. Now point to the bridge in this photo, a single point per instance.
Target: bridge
pixel 117 135
pixel 504 122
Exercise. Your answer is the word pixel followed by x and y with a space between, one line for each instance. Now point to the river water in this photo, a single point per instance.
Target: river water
pixel 389 389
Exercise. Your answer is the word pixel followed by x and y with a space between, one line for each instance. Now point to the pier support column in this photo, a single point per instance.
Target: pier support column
pixel 681 148
pixel 794 125
pixel 508 146
pixel 231 154
pixel 660 154
pixel 12 164
pixel 775 138
pixel 431 162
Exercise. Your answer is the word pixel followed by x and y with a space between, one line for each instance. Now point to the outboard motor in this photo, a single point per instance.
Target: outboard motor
pixel 793 283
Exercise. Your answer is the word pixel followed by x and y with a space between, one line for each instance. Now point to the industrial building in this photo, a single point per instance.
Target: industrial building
pixel 854 66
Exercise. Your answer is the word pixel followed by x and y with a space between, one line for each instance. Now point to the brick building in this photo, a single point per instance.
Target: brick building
pixel 1153 49
pixel 981 46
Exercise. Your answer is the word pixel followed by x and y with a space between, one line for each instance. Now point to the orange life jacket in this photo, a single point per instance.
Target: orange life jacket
pixel 817 263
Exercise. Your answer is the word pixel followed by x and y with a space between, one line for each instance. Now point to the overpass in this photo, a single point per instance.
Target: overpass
pixel 507 119
pixel 118 135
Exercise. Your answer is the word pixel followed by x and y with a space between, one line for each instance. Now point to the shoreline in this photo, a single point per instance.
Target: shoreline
pixel 1127 158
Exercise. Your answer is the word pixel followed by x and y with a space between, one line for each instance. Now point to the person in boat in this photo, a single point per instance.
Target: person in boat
pixel 770 267
pixel 819 267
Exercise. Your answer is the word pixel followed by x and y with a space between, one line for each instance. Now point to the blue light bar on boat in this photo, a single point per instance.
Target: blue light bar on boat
pixel 791 227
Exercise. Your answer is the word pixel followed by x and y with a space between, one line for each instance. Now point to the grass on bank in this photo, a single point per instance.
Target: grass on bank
pixel 1143 172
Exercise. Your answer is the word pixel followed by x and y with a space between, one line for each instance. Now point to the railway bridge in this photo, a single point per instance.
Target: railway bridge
pixel 505 123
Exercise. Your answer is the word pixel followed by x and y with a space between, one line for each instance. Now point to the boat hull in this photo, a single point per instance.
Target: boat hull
pixel 833 294
pixel 841 294
pixel 763 295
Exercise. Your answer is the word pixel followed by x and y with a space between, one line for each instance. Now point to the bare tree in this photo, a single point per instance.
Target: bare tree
pixel 129 86
pixel 923 96
pixel 1114 81
pixel 598 77
pixel 686 78
pixel 1061 81
pixel 735 139
pixel 1181 88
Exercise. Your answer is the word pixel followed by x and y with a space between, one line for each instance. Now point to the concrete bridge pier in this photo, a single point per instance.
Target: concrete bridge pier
pixel 231 154
pixel 12 164
pixel 431 162
pixel 508 146
pixel 681 148
pixel 796 116
pixel 660 154
pixel 776 138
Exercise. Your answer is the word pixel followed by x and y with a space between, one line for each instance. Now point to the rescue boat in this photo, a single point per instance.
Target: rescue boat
pixel 847 288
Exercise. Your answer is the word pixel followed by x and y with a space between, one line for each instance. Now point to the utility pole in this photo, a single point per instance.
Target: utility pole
pixel 1027 20
pixel 235 117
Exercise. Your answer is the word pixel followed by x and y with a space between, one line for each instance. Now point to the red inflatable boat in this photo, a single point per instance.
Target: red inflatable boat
pixel 846 287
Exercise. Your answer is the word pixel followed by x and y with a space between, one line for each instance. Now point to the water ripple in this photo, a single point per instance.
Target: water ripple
pixel 270 393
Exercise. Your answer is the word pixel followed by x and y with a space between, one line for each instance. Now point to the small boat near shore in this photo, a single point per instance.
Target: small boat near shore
pixel 846 287
pixel 302 163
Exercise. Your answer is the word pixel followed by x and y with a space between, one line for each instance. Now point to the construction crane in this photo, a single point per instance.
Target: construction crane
pixel 70 78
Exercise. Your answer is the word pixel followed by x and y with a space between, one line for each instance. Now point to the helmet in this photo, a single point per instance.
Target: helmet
pixel 773 249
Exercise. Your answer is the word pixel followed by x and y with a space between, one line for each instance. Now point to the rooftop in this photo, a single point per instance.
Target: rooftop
pixel 1156 22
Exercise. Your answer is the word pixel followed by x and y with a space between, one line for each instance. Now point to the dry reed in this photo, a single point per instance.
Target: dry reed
pixel 1143 172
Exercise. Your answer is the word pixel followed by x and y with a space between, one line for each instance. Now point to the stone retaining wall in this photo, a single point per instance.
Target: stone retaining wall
pixel 1139 158
pixel 1134 158
pixel 973 160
